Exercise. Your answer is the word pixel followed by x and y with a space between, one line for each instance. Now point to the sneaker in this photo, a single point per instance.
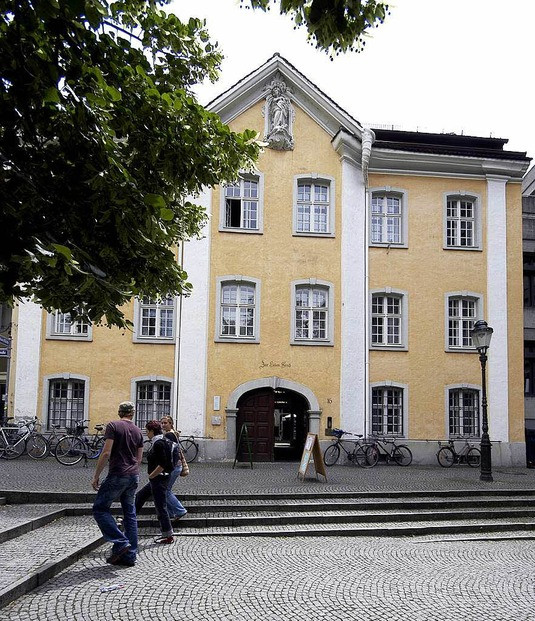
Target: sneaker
pixel 113 559
pixel 126 562
pixel 169 539
pixel 175 519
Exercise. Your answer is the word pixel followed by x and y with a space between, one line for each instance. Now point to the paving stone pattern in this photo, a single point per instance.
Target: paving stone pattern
pixel 299 579
pixel 49 475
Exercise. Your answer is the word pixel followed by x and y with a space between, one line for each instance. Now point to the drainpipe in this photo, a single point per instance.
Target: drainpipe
pixel 368 138
pixel 176 371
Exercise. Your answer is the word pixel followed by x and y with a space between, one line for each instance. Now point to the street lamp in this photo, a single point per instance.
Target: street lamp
pixel 481 335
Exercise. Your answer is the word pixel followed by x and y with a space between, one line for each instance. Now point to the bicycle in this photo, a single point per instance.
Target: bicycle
pixel 387 448
pixel 447 455
pixel 20 438
pixel 188 446
pixel 52 437
pixel 357 454
pixel 70 449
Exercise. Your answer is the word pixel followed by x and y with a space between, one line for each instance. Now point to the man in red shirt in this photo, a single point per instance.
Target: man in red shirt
pixel 123 449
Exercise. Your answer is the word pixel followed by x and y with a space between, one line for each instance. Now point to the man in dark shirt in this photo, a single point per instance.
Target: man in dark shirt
pixel 123 449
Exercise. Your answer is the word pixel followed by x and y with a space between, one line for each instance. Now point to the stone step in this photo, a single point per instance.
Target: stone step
pixel 32 558
pixel 267 518
pixel 349 529
pixel 3 500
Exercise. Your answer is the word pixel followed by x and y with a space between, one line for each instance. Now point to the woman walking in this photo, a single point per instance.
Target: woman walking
pixel 159 474
pixel 174 506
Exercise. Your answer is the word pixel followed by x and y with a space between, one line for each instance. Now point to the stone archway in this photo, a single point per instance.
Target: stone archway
pixel 274 382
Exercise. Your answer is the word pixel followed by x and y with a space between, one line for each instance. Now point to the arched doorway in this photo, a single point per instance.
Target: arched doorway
pixel 277 424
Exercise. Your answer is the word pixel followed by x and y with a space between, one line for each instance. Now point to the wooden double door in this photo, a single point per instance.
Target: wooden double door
pixel 257 410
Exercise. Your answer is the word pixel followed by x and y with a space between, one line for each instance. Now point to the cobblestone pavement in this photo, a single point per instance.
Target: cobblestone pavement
pixel 49 475
pixel 253 579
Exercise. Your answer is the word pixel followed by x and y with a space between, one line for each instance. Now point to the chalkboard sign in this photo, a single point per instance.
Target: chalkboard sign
pixel 312 452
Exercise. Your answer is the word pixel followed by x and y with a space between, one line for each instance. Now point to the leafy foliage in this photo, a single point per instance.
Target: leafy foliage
pixel 101 143
pixel 333 26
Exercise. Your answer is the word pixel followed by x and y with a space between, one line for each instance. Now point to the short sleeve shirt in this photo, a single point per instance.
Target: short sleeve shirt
pixel 127 439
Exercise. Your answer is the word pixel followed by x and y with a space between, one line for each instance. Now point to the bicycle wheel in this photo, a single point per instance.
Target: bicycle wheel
pixel 446 457
pixel 331 455
pixel 146 447
pixel 473 457
pixel 13 444
pixel 366 456
pixel 37 446
pixel 190 449
pixel 70 450
pixel 95 447
pixel 402 455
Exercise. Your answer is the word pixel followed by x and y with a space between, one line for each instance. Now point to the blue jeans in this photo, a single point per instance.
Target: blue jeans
pixel 157 488
pixel 123 489
pixel 174 506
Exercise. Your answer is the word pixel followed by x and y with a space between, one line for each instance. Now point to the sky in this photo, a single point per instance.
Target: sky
pixel 459 66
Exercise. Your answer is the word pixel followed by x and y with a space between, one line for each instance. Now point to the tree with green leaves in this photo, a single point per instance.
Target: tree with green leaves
pixel 333 26
pixel 101 144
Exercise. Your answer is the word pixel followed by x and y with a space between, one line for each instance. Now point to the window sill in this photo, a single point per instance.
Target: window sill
pixel 154 340
pixel 387 245
pixel 468 248
pixel 461 350
pixel 246 231
pixel 389 348
pixel 312 234
pixel 68 337
pixel 231 339
pixel 315 343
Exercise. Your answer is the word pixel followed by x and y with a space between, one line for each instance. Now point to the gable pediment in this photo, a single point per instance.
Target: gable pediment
pixel 258 85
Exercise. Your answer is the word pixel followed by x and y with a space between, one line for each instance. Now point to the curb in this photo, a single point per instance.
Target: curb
pixel 26 527
pixel 47 571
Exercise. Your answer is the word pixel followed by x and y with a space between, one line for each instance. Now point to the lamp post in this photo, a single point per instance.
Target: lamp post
pixel 481 335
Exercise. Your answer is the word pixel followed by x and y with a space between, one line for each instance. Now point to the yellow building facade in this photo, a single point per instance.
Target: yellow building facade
pixel 336 286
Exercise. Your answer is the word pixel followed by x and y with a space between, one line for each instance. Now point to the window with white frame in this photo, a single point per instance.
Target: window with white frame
pixel 238 300
pixel 62 326
pixel 386 320
pixel 155 319
pixel 241 205
pixel 388 217
pixel 462 312
pixel 462 222
pixel 387 411
pixel 314 205
pixel 153 400
pixel 312 314
pixel 463 412
pixel 65 402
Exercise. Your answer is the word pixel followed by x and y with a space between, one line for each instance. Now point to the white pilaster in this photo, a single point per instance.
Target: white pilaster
pixel 353 290
pixel 28 353
pixel 194 330
pixel 498 390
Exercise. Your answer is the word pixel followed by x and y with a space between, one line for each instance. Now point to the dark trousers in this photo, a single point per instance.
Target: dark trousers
pixel 157 488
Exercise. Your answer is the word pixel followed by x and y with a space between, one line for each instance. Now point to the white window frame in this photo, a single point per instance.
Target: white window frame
pixel 403 297
pixel 463 387
pixel 402 195
pixel 475 199
pixel 56 317
pixel 154 379
pixel 388 385
pixel 139 306
pixel 243 176
pixel 314 179
pixel 313 283
pixel 470 296
pixel 237 279
pixel 47 379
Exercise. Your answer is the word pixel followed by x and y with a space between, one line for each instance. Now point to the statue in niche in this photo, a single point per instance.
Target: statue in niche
pixel 279 115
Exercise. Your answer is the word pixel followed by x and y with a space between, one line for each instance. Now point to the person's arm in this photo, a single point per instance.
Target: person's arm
pixel 139 455
pixel 158 470
pixel 101 463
